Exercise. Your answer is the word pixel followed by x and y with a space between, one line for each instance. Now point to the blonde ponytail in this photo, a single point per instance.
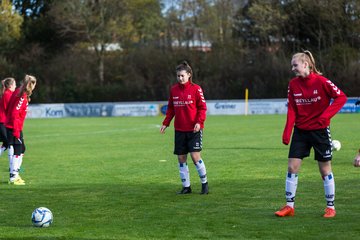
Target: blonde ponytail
pixel 27 86
pixel 306 56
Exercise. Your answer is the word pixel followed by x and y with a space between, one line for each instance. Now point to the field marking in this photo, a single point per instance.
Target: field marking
pixel 95 132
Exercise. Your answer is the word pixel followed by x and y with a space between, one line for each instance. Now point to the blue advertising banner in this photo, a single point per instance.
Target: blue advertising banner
pixel 350 106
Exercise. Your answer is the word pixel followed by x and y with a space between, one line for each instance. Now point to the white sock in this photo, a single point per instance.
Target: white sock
pixel 329 187
pixel 184 174
pixel 15 170
pixel 20 161
pixel 290 188
pixel 11 159
pixel 201 169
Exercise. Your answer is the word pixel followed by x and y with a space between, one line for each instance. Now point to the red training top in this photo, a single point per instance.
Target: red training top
pixel 309 105
pixel 4 101
pixel 188 105
pixel 17 109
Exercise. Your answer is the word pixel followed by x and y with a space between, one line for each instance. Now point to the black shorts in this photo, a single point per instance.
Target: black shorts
pixel 186 142
pixel 3 134
pixel 12 140
pixel 303 140
pixel 17 143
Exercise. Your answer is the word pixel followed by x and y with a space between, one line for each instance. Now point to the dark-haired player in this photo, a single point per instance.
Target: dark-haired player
pixel 187 104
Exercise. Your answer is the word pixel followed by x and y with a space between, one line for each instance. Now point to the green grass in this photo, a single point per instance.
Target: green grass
pixel 102 179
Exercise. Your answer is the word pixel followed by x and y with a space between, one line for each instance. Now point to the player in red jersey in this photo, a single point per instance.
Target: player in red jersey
pixel 357 157
pixel 187 104
pixel 8 87
pixel 309 114
pixel 17 109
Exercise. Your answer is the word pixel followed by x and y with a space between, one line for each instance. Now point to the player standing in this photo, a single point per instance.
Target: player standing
pixel 187 104
pixel 16 114
pixel 309 114
pixel 357 157
pixel 8 87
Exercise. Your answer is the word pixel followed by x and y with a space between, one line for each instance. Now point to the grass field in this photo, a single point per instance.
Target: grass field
pixel 103 179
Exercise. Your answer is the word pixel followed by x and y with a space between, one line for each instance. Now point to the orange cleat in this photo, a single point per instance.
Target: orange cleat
pixel 329 213
pixel 285 211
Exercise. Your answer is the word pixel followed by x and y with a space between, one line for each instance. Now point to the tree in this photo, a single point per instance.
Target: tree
pixel 96 22
pixel 10 24
pixel 147 21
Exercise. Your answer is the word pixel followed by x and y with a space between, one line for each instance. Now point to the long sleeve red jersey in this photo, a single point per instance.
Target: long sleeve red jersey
pixel 309 105
pixel 188 105
pixel 17 109
pixel 4 101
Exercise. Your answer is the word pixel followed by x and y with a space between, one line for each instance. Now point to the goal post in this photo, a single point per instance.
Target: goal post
pixel 246 100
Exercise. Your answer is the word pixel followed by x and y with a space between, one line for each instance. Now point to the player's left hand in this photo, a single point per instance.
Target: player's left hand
pixel 357 161
pixel 197 127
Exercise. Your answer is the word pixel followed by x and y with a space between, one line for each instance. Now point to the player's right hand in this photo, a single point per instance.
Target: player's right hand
pixel 162 129
pixel 285 139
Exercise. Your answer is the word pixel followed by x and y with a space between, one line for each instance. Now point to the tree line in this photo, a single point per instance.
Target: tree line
pixel 122 50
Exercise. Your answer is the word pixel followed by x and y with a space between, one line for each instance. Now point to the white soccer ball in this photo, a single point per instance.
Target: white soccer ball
pixel 42 217
pixel 336 145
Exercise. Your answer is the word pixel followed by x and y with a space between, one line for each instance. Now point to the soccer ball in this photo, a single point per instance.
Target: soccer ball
pixel 336 145
pixel 42 217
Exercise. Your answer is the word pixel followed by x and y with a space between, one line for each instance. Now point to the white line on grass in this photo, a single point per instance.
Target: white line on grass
pixel 94 132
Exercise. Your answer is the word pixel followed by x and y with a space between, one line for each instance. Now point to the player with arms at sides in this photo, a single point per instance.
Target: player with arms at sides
pixel 187 104
pixel 8 87
pixel 357 157
pixel 309 114
pixel 16 114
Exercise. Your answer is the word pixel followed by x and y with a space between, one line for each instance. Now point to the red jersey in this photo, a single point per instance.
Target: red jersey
pixel 309 105
pixel 16 113
pixel 4 101
pixel 188 105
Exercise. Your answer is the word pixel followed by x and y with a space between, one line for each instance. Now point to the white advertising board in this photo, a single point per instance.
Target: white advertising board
pixel 46 111
pixel 116 109
pixel 142 109
pixel 225 107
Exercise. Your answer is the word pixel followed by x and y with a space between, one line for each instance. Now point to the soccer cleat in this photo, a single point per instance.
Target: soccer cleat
pixel 185 190
pixel 285 211
pixel 329 213
pixel 17 181
pixel 21 180
pixel 204 188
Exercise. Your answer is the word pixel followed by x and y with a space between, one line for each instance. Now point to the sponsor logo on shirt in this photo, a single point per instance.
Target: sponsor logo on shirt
pixel 297 94
pixel 182 103
pixel 306 101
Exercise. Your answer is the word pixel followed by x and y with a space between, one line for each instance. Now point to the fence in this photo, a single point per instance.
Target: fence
pixel 116 109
